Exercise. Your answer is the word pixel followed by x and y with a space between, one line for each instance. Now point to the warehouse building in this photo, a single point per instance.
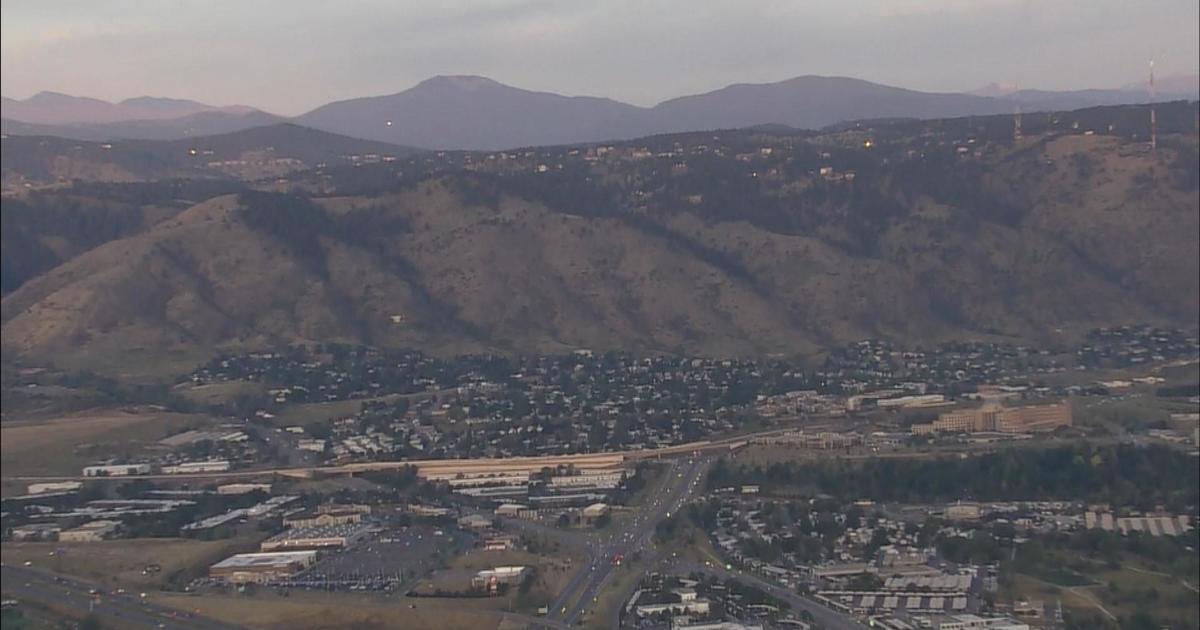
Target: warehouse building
pixel 262 567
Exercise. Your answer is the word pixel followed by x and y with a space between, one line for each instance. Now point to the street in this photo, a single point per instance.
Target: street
pixel 607 549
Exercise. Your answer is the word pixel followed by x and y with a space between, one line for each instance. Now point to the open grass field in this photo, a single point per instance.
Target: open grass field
pixel 321 611
pixel 550 576
pixel 1116 594
pixel 120 562
pixel 218 393
pixel 1126 590
pixel 62 446
pixel 308 413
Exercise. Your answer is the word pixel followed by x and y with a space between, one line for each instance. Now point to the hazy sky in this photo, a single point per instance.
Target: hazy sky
pixel 290 56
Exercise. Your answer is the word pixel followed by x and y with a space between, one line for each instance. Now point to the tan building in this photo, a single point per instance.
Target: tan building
pixel 1034 418
pixel 343 516
pixel 1027 419
pixel 262 567
pixel 499 543
pixel 90 532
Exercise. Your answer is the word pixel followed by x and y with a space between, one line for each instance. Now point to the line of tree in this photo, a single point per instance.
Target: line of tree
pixel 1123 475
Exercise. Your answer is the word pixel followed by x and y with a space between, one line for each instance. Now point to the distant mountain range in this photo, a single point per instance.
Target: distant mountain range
pixel 468 112
pixel 53 108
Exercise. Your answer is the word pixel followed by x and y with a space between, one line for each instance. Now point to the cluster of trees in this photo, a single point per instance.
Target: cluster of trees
pixel 1122 475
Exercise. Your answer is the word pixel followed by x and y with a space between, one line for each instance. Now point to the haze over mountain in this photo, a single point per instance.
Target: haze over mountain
pixel 252 153
pixel 54 108
pixel 469 112
pixel 456 112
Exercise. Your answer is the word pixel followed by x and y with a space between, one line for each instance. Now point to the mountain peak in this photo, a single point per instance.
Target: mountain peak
pixel 50 95
pixel 464 82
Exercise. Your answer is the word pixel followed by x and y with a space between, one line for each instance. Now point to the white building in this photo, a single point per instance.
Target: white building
pixel 55 486
pixel 213 465
pixel 116 470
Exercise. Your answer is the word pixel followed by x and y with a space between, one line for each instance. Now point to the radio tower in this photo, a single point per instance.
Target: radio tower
pixel 1153 116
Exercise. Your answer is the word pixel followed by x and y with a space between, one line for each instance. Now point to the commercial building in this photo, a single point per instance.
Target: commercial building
pixel 499 543
pixel 975 622
pixel 54 486
pixel 510 509
pixel 428 511
pixel 213 465
pixel 907 402
pixel 595 511
pixel 963 511
pixel 116 470
pixel 320 537
pixel 694 606
pixel 474 521
pixel 1150 525
pixel 492 578
pixel 262 567
pixel 316 518
pixel 243 488
pixel 994 418
pixel 90 532
pixel 36 531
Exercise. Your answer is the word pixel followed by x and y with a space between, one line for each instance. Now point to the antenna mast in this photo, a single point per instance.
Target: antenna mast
pixel 1153 116
pixel 1017 114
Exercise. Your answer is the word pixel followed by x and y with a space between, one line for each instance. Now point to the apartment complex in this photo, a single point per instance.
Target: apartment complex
pixel 995 418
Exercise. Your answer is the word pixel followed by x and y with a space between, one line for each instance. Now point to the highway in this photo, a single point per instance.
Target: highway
pixel 826 617
pixel 115 610
pixel 681 480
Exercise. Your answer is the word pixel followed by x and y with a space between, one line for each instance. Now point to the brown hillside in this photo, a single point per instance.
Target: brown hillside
pixel 1104 237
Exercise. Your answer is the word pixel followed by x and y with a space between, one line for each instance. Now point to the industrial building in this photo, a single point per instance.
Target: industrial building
pixel 262 567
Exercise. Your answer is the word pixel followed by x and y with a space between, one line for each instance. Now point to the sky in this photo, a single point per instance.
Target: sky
pixel 290 56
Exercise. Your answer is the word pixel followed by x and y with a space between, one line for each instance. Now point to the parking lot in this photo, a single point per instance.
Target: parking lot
pixel 383 561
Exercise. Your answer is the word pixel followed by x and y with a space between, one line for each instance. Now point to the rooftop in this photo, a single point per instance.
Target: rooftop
pixel 274 558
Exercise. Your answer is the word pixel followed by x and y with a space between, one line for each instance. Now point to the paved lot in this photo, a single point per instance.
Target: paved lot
pixel 385 561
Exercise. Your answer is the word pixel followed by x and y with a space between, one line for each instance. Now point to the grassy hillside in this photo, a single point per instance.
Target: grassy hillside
pixel 729 244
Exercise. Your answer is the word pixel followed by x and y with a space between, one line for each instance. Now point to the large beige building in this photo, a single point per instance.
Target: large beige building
pixel 262 567
pixel 1027 419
